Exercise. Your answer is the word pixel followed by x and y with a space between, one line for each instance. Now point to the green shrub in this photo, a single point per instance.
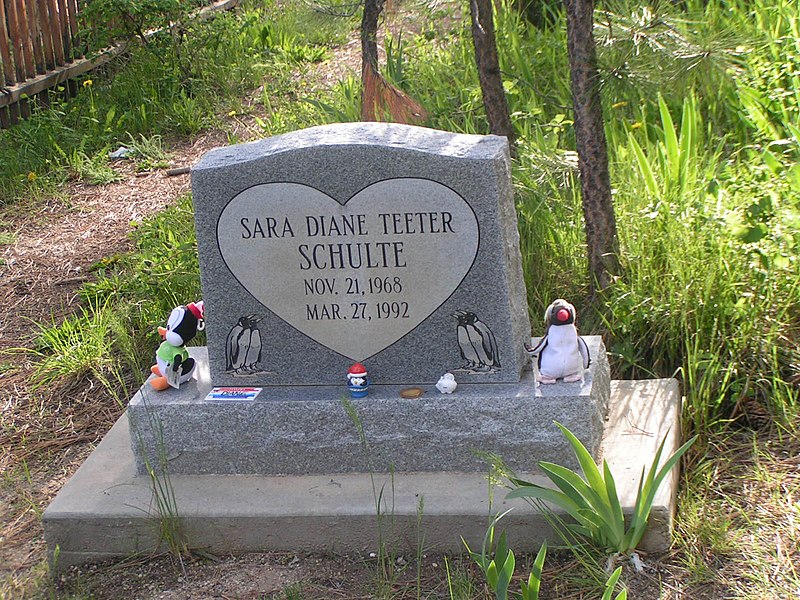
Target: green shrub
pixel 592 500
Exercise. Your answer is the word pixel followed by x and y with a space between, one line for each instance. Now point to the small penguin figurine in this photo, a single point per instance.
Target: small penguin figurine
pixel 357 381
pixel 173 364
pixel 243 346
pixel 562 353
pixel 476 343
pixel 447 384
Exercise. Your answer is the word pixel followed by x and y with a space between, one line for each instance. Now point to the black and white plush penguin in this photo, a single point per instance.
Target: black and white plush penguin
pixel 243 346
pixel 476 343
pixel 173 365
pixel 562 353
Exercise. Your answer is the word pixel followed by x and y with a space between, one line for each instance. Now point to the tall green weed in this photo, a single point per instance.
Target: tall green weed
pixel 710 270
pixel 706 219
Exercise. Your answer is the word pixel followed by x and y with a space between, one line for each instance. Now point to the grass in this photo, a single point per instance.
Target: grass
pixel 460 583
pixel 701 108
pixel 695 184
pixel 384 500
pixel 148 152
pixel 737 525
pixel 116 324
pixel 163 508
pixel 79 345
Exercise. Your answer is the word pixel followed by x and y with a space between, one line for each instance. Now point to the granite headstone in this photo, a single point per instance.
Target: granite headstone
pixel 390 245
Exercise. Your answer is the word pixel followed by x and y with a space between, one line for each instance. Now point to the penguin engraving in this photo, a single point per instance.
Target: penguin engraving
pixel 476 343
pixel 243 347
pixel 561 353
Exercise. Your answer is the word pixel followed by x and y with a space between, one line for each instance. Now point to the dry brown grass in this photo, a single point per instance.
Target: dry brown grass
pixel 738 527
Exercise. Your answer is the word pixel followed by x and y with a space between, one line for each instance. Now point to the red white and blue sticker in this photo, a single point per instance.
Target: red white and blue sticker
pixel 234 393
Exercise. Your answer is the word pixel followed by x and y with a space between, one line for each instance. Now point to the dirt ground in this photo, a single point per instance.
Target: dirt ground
pixel 47 433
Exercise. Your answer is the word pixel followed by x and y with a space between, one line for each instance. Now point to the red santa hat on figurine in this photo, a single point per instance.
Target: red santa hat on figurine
pixel 197 309
pixel 357 371
pixel 357 381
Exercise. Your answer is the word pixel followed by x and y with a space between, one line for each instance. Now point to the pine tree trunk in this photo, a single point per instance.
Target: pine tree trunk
pixel 494 96
pixel 380 100
pixel 369 34
pixel 598 210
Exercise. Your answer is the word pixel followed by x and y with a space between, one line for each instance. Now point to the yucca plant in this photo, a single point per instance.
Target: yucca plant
pixel 500 569
pixel 611 584
pixel 592 500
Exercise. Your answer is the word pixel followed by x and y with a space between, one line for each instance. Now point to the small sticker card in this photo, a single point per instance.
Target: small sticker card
pixel 241 394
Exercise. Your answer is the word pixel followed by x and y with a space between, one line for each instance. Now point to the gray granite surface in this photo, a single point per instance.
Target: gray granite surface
pixel 306 429
pixel 392 245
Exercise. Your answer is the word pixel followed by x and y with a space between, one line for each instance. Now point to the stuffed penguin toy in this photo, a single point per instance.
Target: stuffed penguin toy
pixel 173 365
pixel 562 353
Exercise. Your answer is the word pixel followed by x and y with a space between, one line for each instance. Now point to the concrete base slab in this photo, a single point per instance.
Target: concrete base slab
pixel 106 510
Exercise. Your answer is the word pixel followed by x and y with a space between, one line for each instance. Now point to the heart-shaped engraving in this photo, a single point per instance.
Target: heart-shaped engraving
pixel 358 276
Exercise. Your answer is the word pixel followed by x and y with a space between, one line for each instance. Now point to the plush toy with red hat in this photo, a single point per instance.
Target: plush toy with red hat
pixel 357 381
pixel 173 365
pixel 561 353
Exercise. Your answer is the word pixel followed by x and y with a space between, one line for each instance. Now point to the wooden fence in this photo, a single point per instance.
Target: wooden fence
pixel 36 40
pixel 37 51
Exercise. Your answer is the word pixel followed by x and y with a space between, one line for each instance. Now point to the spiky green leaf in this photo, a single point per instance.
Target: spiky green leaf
pixel 617 521
pixel 647 490
pixel 567 481
pixel 491 575
pixel 611 583
pixel 530 590
pixel 587 463
pixel 552 496
pixel 584 495
pixel 689 119
pixel 670 142
pixel 504 576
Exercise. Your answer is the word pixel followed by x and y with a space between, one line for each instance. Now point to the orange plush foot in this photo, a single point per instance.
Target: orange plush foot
pixel 159 383
pixel 155 371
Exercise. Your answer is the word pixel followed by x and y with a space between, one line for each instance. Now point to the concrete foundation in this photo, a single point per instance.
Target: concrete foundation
pixel 306 430
pixel 107 510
